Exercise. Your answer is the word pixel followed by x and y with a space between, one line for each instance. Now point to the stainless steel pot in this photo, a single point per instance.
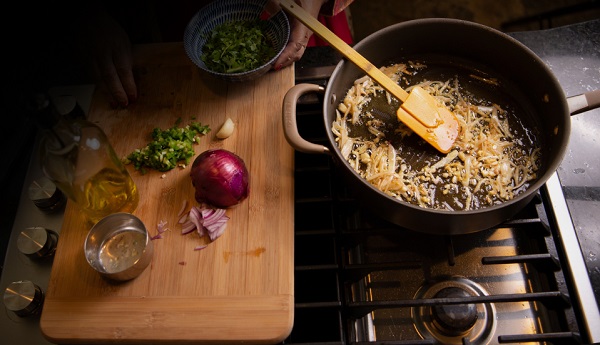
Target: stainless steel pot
pixel 527 79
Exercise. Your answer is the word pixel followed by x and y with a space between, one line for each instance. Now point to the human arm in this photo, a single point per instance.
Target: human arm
pixel 107 49
pixel 300 34
pixel 107 46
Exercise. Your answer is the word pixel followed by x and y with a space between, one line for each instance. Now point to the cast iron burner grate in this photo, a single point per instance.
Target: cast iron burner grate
pixel 350 265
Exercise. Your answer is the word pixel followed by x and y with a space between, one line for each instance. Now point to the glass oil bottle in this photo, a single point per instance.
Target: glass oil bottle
pixel 78 157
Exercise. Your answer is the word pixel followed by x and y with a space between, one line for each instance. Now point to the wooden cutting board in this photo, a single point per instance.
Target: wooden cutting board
pixel 239 288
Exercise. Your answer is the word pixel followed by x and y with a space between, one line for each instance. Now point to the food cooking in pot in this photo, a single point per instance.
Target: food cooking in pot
pixel 495 158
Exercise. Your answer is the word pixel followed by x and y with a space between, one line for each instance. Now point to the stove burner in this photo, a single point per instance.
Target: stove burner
pixel 454 319
pixel 450 323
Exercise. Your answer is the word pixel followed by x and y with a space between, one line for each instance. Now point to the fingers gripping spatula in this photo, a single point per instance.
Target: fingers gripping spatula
pixel 420 111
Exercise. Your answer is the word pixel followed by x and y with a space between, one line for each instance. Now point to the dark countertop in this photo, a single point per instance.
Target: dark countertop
pixel 573 54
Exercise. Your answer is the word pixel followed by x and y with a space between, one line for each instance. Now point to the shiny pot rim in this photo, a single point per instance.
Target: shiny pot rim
pixel 416 37
pixel 526 53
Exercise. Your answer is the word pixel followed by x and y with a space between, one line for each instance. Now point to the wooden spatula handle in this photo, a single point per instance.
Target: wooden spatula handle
pixel 347 51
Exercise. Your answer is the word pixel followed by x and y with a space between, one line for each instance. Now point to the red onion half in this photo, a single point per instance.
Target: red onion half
pixel 220 178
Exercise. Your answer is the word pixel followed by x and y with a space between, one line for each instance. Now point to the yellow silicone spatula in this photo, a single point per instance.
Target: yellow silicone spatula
pixel 420 111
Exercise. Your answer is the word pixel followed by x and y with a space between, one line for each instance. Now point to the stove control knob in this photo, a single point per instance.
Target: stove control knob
pixel 46 196
pixel 37 242
pixel 24 298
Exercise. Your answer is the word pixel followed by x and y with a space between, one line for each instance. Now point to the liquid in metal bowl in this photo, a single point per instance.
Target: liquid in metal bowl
pixel 119 247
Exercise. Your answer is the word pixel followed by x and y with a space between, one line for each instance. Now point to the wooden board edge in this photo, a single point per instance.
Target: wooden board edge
pixel 198 320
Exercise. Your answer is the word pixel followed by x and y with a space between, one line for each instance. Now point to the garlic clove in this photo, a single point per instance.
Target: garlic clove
pixel 226 129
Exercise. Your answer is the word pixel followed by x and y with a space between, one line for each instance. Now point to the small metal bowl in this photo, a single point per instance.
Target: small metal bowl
pixel 277 30
pixel 119 247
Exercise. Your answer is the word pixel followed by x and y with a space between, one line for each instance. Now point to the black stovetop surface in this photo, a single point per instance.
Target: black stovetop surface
pixel 573 55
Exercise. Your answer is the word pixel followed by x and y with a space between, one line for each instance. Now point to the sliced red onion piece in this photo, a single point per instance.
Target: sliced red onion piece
pixel 183 218
pixel 183 207
pixel 217 232
pixel 206 221
pixel 196 218
pixel 162 227
pixel 187 227
pixel 201 230
pixel 215 225
pixel 211 216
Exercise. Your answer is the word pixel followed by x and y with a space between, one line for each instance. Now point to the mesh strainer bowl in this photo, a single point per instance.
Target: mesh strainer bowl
pixel 222 11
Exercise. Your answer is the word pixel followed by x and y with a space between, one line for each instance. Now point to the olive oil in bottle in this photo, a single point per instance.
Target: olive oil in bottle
pixel 77 156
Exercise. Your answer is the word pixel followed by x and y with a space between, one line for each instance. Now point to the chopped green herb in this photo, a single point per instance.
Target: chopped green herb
pixel 238 46
pixel 168 147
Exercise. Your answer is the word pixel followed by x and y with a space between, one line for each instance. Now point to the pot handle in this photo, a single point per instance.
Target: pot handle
pixel 290 127
pixel 584 102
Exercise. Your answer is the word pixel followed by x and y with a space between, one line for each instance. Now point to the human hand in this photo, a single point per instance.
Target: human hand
pixel 299 35
pixel 107 49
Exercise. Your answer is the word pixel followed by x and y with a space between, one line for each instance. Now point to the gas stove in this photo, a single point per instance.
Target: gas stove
pixel 362 280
